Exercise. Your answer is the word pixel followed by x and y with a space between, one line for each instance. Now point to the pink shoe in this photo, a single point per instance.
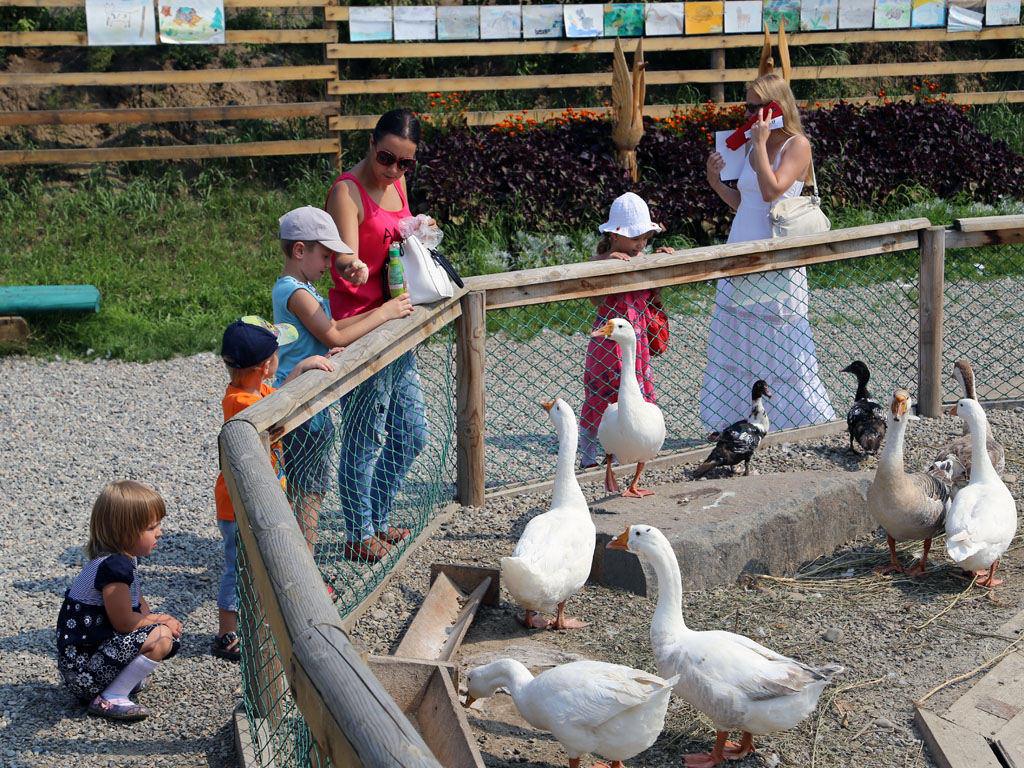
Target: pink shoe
pixel 109 709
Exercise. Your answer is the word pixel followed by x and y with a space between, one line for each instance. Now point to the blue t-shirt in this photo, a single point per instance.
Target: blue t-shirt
pixel 307 344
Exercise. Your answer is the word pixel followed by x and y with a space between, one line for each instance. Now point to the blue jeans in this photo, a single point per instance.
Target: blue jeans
pixel 227 599
pixel 385 429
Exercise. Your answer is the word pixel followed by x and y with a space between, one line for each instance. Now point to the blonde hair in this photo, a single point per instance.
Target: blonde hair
pixel 123 511
pixel 773 87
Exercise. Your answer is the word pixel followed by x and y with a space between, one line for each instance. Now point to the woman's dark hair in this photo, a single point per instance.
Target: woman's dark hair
pixel 398 122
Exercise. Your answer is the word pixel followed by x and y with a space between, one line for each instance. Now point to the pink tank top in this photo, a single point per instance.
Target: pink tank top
pixel 378 229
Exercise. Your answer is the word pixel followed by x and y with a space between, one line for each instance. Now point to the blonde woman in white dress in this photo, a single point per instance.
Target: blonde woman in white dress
pixel 759 328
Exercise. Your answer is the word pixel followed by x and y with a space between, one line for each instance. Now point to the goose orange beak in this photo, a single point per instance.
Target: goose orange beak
pixel 604 331
pixel 468 702
pixel 899 405
pixel 548 405
pixel 953 411
pixel 620 542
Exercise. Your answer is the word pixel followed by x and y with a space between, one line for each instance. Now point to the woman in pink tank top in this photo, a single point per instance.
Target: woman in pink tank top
pixel 384 417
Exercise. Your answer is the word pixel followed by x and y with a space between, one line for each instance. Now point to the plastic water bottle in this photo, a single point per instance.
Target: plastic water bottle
pixel 396 273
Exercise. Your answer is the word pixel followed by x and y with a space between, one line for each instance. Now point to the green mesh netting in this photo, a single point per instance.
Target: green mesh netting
pixel 379 460
pixel 772 327
pixel 982 319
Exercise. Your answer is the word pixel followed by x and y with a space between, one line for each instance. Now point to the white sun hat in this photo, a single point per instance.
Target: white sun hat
pixel 313 224
pixel 629 217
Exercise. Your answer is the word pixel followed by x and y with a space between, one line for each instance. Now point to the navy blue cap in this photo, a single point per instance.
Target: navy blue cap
pixel 251 340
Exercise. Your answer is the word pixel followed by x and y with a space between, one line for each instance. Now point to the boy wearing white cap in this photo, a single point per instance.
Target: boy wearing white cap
pixel 310 240
pixel 626 233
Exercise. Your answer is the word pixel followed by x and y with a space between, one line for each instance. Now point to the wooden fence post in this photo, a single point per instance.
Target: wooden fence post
pixel 470 343
pixel 930 289
pixel 718 62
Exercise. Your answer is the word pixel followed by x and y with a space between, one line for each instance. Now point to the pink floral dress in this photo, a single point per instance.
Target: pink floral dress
pixel 604 366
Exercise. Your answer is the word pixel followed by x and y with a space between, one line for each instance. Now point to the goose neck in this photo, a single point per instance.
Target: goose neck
pixel 566 488
pixel 891 459
pixel 668 614
pixel 981 462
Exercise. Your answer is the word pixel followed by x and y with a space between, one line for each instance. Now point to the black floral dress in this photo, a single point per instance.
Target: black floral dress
pixel 90 652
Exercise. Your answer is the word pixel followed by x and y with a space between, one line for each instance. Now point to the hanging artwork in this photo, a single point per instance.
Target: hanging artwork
pixel 1000 12
pixel 892 14
pixel 856 14
pixel 583 20
pixel 665 19
pixel 965 15
pixel 742 16
pixel 369 22
pixel 201 21
pixel 623 19
pixel 500 22
pixel 542 21
pixel 775 10
pixel 819 14
pixel 704 18
pixel 120 22
pixel 415 22
pixel 928 13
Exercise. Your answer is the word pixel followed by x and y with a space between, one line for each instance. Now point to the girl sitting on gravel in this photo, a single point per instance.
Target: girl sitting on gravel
pixel 626 233
pixel 108 641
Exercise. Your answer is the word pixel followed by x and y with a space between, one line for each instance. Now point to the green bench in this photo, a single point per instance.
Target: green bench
pixel 17 300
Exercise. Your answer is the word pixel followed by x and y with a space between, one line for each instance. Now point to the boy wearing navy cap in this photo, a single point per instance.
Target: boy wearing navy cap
pixel 249 350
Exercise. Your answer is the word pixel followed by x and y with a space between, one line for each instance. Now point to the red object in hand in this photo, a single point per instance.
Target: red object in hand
pixel 742 134
pixel 657 329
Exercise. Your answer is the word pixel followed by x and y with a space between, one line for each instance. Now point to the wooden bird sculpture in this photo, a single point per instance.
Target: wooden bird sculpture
pixel 628 93
pixel 767 65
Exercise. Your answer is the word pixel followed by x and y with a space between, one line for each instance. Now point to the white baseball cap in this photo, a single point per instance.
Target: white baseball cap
pixel 629 217
pixel 315 224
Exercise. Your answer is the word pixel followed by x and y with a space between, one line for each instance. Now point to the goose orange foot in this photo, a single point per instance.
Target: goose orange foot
pixel 723 750
pixel 919 569
pixel 610 483
pixel 894 563
pixel 634 491
pixel 989 579
pixel 560 622
pixel 532 620
pixel 741 750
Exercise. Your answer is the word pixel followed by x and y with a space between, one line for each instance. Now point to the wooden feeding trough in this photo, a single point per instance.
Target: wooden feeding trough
pixel 420 675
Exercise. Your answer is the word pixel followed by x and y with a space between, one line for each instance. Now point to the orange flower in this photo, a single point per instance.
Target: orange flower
pixel 433 103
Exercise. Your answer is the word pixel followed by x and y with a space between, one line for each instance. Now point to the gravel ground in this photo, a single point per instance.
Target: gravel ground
pixel 72 427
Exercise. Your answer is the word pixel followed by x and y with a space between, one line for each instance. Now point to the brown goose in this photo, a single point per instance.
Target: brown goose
pixel 908 506
pixel 955 457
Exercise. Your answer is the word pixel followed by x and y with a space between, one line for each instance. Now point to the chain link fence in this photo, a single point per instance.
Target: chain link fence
pixel 378 461
pixel 347 477
pixel 795 328
pixel 983 308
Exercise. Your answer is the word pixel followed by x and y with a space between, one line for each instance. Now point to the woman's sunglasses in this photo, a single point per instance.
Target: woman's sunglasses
pixel 753 108
pixel 387 158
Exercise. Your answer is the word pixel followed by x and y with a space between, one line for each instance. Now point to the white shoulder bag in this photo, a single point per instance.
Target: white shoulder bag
pixel 791 216
pixel 428 275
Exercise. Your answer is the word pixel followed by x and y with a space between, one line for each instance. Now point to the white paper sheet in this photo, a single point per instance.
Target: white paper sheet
pixel 541 21
pixel 369 22
pixel 121 22
pixel 665 19
pixel 415 22
pixel 734 158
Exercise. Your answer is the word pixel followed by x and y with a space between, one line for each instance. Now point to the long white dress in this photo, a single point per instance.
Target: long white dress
pixel 759 330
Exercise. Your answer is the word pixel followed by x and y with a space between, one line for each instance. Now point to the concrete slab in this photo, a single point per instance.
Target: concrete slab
pixel 721 529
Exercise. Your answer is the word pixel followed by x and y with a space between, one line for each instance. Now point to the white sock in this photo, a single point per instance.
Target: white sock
pixel 129 676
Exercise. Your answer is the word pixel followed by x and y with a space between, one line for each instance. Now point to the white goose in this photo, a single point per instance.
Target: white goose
pixel 983 518
pixel 588 706
pixel 739 684
pixel 552 559
pixel 956 455
pixel 908 506
pixel 631 430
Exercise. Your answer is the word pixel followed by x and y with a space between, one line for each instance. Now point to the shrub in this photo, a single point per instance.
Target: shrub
pixel 560 175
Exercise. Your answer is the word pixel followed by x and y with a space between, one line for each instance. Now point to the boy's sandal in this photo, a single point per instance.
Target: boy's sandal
pixel 117 711
pixel 372 550
pixel 393 535
pixel 143 685
pixel 226 647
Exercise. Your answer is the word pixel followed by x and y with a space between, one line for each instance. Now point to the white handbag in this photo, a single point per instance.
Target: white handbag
pixel 426 272
pixel 800 215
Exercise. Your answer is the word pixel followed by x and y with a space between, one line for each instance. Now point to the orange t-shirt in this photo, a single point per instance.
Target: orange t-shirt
pixel 236 400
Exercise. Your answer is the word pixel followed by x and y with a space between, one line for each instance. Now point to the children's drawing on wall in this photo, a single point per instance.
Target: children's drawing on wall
pixel 705 18
pixel 583 20
pixel 965 15
pixel 928 13
pixel 457 22
pixel 500 22
pixel 819 14
pixel 892 14
pixel 742 16
pixel 999 12
pixel 542 21
pixel 120 22
pixel 856 14
pixel 623 19
pixel 367 23
pixel 776 10
pixel 666 18
pixel 415 22
pixel 200 21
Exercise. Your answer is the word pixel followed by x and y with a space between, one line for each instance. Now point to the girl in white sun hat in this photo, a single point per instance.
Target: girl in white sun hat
pixel 626 233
